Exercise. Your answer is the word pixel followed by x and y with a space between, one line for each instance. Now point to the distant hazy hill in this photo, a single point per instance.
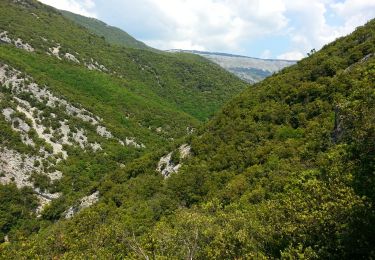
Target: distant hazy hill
pixel 112 34
pixel 249 69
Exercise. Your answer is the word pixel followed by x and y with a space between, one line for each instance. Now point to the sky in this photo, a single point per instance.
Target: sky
pixel 282 29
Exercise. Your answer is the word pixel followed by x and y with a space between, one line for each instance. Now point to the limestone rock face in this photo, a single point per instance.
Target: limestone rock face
pixel 71 57
pixel 85 202
pixel 18 42
pixel 166 166
pixel 17 168
pixel 47 133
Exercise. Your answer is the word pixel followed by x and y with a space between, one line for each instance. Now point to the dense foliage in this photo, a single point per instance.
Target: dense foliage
pixel 111 34
pixel 16 212
pixel 186 82
pixel 284 170
pixel 141 94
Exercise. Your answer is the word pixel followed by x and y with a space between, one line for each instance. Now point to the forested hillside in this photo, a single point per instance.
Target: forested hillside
pixel 189 83
pixel 284 170
pixel 75 109
pixel 111 34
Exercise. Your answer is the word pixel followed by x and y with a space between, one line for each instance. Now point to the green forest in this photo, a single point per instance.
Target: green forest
pixel 283 169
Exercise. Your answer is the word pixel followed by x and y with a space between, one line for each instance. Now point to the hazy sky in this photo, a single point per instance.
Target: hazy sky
pixel 285 29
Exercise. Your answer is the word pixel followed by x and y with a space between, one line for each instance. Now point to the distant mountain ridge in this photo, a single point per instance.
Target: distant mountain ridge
pixel 225 54
pixel 248 69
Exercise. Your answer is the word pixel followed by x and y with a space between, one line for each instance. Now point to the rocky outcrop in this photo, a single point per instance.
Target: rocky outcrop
pixel 56 137
pixel 71 57
pixel 130 141
pixel 26 109
pixel 17 168
pixel 55 51
pixel 94 65
pixel 83 203
pixel 18 42
pixel 167 166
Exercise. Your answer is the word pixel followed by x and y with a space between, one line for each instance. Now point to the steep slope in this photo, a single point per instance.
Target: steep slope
pixel 285 170
pixel 249 69
pixel 191 84
pixel 112 34
pixel 74 109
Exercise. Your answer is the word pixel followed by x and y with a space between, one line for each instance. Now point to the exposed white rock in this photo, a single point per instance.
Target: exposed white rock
pixel 4 37
pixel 18 125
pixel 96 147
pixel 24 117
pixel 35 15
pixel 165 165
pixel 42 94
pixel 85 202
pixel 65 130
pixel 91 66
pixel 185 151
pixel 94 65
pixel 17 168
pixel 103 68
pixel 55 51
pixel 18 43
pixel 11 79
pixel 8 112
pixel 102 131
pixel 71 57
pixel 80 138
pixel 132 142
pixel 40 129
pixel 22 125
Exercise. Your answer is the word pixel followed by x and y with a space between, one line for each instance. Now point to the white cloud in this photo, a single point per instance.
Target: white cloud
pixel 309 26
pixel 218 24
pixel 231 25
pixel 83 7
pixel 293 55
pixel 183 45
pixel 350 8
pixel 354 12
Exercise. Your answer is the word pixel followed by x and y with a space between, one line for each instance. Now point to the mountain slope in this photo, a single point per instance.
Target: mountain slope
pixel 75 109
pixel 249 69
pixel 190 83
pixel 284 170
pixel 112 34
